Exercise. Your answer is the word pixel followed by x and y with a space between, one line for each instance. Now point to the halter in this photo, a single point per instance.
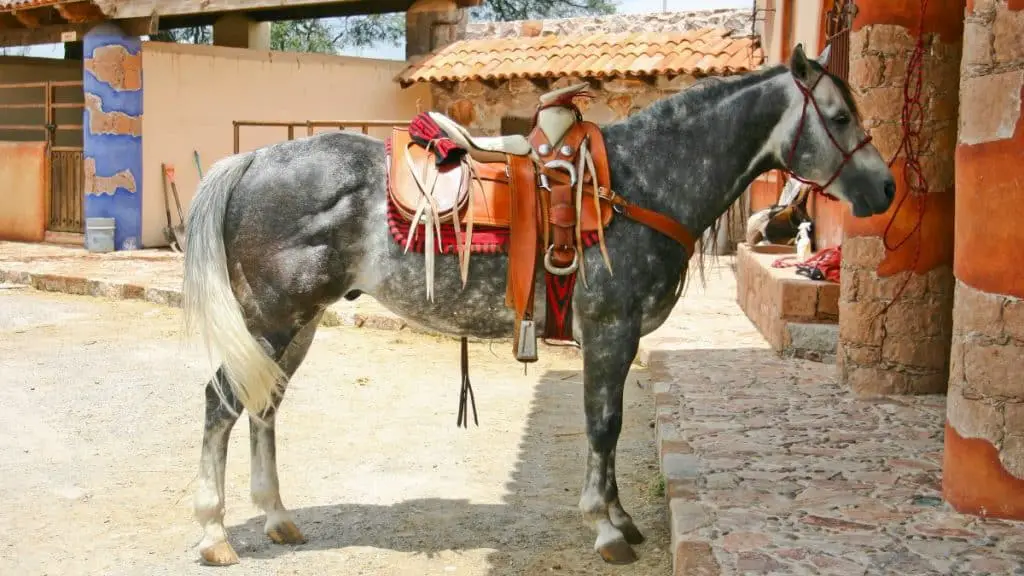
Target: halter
pixel 807 92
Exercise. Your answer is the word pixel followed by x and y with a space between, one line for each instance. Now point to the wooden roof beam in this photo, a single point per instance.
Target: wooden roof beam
pixel 51 34
pixel 80 12
pixel 139 8
pixel 28 18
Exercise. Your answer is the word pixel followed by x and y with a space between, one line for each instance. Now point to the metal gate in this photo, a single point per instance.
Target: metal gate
pixel 51 112
pixel 838 21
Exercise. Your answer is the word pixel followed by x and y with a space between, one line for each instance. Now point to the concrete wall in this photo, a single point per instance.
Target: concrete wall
pixel 193 93
pixel 23 191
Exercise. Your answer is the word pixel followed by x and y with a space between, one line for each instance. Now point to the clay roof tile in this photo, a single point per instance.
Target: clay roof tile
pixel 598 54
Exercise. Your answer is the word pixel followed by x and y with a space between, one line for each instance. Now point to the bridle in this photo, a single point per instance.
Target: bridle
pixel 808 97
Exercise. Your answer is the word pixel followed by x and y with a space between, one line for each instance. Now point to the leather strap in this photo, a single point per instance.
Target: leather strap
pixel 522 251
pixel 667 226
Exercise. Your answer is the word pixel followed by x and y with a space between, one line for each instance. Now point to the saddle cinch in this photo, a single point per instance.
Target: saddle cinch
pixel 549 190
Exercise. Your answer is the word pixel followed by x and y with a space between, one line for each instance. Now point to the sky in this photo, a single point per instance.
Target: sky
pixel 398 52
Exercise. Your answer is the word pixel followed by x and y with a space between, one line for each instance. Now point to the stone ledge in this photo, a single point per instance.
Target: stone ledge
pixel 797 316
pixel 692 553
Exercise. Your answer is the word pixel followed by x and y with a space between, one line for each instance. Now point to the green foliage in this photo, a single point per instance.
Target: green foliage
pixel 331 35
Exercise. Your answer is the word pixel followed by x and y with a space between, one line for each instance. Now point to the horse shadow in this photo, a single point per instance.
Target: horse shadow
pixel 537 527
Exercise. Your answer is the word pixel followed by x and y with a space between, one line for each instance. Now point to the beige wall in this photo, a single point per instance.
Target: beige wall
pixel 23 191
pixel 193 93
pixel 23 69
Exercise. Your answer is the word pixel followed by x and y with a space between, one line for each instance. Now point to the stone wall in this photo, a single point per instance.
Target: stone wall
pixel 481 106
pixel 903 349
pixel 736 20
pixel 984 458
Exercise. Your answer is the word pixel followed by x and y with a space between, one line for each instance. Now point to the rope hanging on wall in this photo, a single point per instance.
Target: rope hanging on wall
pixel 911 118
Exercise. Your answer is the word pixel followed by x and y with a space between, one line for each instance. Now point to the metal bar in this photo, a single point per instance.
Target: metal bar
pixel 66 149
pixel 18 106
pixel 58 105
pixel 291 133
pixel 237 137
pixel 65 83
pixel 325 123
pixel 21 127
pixel 69 127
pixel 51 134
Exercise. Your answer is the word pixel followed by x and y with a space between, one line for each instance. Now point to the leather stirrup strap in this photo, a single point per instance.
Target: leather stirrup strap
pixel 522 252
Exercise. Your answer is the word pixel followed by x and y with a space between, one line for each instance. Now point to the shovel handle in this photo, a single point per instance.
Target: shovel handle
pixel 169 170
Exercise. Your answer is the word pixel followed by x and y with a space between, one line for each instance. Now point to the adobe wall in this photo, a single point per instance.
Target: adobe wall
pixel 193 93
pixel 905 349
pixel 984 450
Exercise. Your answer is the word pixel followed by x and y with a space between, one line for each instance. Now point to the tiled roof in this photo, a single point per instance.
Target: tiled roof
pixel 705 52
pixel 25 4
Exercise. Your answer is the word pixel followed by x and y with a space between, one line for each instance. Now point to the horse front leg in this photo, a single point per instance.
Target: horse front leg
pixel 608 352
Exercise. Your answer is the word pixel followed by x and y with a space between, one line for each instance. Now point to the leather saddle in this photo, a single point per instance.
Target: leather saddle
pixel 547 190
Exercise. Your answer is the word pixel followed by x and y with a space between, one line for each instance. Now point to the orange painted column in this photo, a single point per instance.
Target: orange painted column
pixel 902 349
pixel 984 456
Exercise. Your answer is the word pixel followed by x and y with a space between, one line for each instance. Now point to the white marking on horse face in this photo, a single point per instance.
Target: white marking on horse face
pixel 817 158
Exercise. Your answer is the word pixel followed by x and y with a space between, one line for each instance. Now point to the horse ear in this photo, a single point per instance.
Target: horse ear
pixel 823 57
pixel 798 63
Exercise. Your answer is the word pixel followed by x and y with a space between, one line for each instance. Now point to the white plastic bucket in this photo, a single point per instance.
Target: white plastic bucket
pixel 99 234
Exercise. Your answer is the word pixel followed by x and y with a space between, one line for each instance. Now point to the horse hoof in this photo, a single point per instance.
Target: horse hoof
pixel 286 533
pixel 632 534
pixel 220 554
pixel 618 552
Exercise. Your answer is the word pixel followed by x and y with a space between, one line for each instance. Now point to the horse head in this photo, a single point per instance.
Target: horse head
pixel 821 140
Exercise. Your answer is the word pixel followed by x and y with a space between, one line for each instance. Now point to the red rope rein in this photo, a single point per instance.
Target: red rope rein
pixel 911 118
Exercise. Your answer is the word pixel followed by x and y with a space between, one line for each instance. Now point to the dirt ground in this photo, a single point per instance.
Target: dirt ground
pixel 101 426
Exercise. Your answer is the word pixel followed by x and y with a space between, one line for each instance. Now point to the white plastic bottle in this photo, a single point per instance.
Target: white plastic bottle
pixel 803 241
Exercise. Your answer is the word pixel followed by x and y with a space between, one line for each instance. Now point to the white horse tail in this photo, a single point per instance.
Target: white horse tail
pixel 208 300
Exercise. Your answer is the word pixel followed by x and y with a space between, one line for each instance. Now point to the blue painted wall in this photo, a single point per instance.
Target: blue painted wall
pixel 115 151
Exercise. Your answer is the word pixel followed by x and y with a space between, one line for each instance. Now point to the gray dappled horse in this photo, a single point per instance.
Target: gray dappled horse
pixel 277 234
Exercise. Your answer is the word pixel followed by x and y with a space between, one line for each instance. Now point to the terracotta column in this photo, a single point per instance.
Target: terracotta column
pixel 904 349
pixel 984 457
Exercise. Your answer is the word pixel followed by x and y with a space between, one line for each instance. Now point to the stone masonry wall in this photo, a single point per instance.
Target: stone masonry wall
pixel 736 20
pixel 481 106
pixel 904 350
pixel 984 449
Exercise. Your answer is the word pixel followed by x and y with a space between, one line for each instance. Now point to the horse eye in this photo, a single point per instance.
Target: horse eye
pixel 841 118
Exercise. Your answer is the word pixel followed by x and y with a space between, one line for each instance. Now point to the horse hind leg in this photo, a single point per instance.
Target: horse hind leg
pixel 264 483
pixel 208 504
pixel 221 415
